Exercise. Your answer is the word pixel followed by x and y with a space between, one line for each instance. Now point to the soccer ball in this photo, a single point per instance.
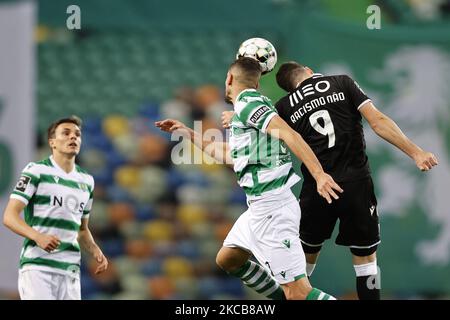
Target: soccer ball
pixel 261 50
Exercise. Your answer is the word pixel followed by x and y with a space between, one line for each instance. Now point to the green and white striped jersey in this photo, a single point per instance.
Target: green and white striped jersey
pixel 56 202
pixel 262 163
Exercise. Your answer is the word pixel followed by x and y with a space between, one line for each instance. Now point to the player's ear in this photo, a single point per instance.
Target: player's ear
pixel 229 79
pixel 309 70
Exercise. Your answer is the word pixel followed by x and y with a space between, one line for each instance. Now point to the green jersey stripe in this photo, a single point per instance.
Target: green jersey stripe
pixel 28 213
pixel 81 170
pixel 262 165
pixel 26 243
pixel 260 188
pixel 47 262
pixel 237 129
pixel 67 246
pixel 23 195
pixel 55 223
pixel 63 246
pixel 46 178
pixel 299 276
pixel 248 93
pixel 46 162
pixel 40 200
pixel 34 180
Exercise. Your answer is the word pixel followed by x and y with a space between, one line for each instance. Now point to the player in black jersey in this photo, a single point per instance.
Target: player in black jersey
pixel 327 111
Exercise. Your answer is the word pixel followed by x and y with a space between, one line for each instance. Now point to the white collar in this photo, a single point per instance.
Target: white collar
pixel 61 169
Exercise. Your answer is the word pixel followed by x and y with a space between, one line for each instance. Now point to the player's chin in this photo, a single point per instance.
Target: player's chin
pixel 73 151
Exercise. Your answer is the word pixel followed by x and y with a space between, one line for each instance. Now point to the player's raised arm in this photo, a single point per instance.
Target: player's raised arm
pixel 215 149
pixel 387 129
pixel 325 184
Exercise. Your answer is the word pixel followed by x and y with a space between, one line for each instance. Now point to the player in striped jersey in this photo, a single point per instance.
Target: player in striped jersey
pixel 269 228
pixel 56 197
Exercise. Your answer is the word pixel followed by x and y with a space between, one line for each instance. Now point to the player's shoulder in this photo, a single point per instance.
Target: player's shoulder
pixel 338 81
pixel 85 174
pixel 84 177
pixel 252 96
pixel 337 77
pixel 251 99
pixel 38 167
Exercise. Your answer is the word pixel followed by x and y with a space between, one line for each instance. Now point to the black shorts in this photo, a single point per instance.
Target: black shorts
pixel 356 210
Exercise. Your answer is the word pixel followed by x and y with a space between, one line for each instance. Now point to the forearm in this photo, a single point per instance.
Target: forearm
pixel 16 224
pixel 86 241
pixel 387 129
pixel 215 149
pixel 303 152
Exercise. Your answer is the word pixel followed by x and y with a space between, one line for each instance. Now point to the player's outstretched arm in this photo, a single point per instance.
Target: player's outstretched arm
pixel 88 244
pixel 215 149
pixel 387 129
pixel 326 186
pixel 13 221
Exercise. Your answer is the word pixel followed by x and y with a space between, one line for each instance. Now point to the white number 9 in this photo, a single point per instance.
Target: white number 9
pixel 327 129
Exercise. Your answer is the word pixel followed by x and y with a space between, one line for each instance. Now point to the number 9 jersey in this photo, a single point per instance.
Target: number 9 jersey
pixel 324 110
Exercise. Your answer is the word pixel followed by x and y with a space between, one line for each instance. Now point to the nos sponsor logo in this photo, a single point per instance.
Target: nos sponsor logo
pixel 70 203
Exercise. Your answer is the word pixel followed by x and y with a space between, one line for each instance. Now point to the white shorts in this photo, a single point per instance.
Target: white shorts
pixel 269 229
pixel 43 285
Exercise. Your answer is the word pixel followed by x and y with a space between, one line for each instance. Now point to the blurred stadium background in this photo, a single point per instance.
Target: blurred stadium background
pixel 134 62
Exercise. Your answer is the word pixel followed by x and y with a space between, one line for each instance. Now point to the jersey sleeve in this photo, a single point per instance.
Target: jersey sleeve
pixel 256 114
pixel 27 184
pixel 357 95
pixel 87 209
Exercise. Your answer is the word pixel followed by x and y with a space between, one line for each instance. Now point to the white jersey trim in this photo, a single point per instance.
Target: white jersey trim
pixel 20 198
pixel 365 247
pixel 267 121
pixel 311 245
pixel 362 103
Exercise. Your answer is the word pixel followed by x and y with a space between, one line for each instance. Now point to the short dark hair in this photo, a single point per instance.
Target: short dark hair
pixel 249 70
pixel 287 73
pixel 52 128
